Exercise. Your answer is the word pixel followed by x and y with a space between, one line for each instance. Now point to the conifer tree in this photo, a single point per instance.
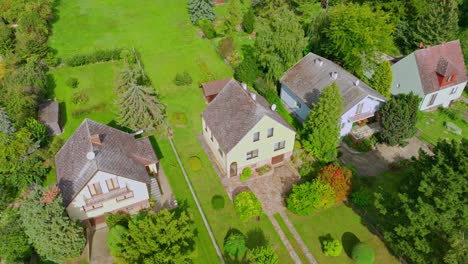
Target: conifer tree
pixel 139 108
pixel 321 131
pixel 5 123
pixel 201 9
pixel 382 79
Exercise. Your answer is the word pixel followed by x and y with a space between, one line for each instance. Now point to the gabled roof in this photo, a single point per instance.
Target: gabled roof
pixel 116 152
pixel 445 59
pixel 313 73
pixel 233 113
pixel 49 116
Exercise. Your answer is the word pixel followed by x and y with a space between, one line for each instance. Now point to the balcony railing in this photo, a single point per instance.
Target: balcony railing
pixel 97 199
pixel 361 116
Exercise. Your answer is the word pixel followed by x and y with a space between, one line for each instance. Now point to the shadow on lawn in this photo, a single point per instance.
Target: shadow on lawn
pixel 349 240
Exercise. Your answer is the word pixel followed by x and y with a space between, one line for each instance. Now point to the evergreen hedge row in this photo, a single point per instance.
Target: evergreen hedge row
pixel 93 57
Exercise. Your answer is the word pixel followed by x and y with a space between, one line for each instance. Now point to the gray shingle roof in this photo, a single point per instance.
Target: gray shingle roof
pixel 49 115
pixel 233 113
pixel 117 153
pixel 313 73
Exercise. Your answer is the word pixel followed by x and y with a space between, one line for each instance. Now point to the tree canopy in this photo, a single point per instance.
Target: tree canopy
pixel 201 9
pixel 247 206
pixel 310 196
pixel 381 81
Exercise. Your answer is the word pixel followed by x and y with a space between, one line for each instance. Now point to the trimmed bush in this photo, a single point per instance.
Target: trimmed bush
pixel 72 82
pixel 263 169
pixel 310 196
pixel 248 21
pixel 234 245
pixel 217 202
pixel 247 206
pixel 182 79
pixel 79 97
pixel 207 27
pixel 246 173
pixel 195 163
pixel 332 247
pixel 116 219
pixel 96 56
pixel 363 253
pixel 362 198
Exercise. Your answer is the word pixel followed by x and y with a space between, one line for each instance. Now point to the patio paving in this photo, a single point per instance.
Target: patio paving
pixel 167 199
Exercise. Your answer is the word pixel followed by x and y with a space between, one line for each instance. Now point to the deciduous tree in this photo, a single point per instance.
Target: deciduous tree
pixel 309 196
pixel 339 179
pixel 14 245
pixel 381 81
pixel 234 244
pixel 247 206
pixel 234 14
pixel 263 255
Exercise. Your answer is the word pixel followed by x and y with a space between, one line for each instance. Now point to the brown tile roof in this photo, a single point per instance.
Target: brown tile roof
pixel 445 59
pixel 313 73
pixel 214 87
pixel 233 113
pixel 49 115
pixel 118 153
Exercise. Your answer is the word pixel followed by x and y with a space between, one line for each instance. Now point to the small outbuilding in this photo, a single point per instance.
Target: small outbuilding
pixel 49 115
pixel 211 89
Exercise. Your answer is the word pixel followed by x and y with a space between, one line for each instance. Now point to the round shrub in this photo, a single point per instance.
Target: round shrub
pixel 247 206
pixel 182 79
pixel 332 247
pixel 363 253
pixel 246 173
pixel 234 245
pixel 72 82
pixel 195 163
pixel 217 202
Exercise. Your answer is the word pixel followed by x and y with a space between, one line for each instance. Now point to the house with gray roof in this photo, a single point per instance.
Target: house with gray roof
pixel 303 83
pixel 243 130
pixel 436 74
pixel 49 115
pixel 101 170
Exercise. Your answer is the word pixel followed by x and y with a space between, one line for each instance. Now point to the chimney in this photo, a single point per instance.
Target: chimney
pixel 318 62
pixel 90 155
pixel 244 85
pixel 254 96
pixel 136 133
pixel 273 107
pixel 334 75
pixel 357 82
pixel 95 139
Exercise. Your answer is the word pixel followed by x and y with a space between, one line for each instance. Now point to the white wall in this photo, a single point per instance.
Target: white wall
pixel 370 105
pixel 214 145
pixel 75 208
pixel 443 97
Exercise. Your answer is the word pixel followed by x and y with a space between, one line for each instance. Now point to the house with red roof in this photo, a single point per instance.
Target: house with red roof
pixel 436 74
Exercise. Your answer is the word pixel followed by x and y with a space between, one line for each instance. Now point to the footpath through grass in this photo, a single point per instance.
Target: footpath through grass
pixel 291 238
pixel 161 32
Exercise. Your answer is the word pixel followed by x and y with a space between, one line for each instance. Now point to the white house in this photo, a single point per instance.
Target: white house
pixel 303 83
pixel 243 130
pixel 436 74
pixel 101 170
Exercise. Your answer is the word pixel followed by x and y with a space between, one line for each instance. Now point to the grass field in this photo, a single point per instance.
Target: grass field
pixel 291 238
pixel 343 224
pixel 161 31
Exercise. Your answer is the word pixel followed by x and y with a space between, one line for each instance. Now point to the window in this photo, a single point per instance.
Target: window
pixel 95 189
pixel 252 154
pixel 112 184
pixel 256 136
pixel 280 145
pixel 343 125
pixel 359 108
pixel 298 104
pixel 454 90
pixel 220 152
pixel 270 132
pixel 433 97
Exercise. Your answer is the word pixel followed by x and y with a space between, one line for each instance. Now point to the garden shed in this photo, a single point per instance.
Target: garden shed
pixel 49 115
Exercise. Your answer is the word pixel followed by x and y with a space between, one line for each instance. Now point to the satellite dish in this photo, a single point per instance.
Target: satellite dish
pixel 90 155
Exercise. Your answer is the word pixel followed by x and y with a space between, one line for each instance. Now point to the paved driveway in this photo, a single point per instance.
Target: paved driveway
pixel 99 251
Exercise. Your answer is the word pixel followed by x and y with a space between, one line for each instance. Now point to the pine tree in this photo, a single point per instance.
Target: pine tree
pixel 201 9
pixel 382 79
pixel 54 236
pixel 321 131
pixel 5 123
pixel 139 108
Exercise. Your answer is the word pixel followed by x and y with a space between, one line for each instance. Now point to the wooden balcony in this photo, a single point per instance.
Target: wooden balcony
pixel 98 199
pixel 361 116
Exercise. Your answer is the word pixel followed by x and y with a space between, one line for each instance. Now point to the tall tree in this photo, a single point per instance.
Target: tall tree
pixel 14 245
pixel 140 108
pixel 280 42
pixel 398 118
pixel 54 236
pixel 427 221
pixel 321 130
pixel 201 9
pixel 234 14
pixel 307 10
pixel 352 34
pixel 381 81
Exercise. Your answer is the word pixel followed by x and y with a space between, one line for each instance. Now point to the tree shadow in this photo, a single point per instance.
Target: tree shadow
pixel 114 124
pixel 349 240
pixel 324 238
pixel 256 238
pixel 49 91
pixel 62 115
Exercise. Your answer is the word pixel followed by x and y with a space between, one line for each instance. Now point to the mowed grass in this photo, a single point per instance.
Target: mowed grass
pixel 161 32
pixel 291 238
pixel 343 224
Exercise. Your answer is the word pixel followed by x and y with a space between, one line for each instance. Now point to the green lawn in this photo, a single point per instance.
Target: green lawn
pixel 431 124
pixel 291 238
pixel 342 223
pixel 161 31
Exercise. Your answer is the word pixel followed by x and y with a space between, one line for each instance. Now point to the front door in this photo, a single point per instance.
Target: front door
pixel 277 159
pixel 233 169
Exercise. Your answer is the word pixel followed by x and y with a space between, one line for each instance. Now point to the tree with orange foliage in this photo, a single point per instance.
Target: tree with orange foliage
pixel 339 178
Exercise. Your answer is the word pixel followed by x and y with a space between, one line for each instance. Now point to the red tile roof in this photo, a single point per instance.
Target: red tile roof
pixel 445 59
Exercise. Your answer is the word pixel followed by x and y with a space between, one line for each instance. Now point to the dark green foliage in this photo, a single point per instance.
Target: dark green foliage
pixel 80 97
pixel 362 198
pixel 207 27
pixel 381 81
pixel 163 237
pixel 248 21
pixel 234 244
pixel 96 56
pixel 247 206
pixel 280 42
pixel 246 173
pixel 6 38
pixel 30 79
pixel 234 17
pixel 53 235
pixel 38 130
pixel 463 13
pixel 14 245
pixel 363 254
pixel 363 146
pixel 117 219
pixel 182 79
pixel 310 196
pixel 248 70
pixel 320 134
pixel 398 118
pixel 72 82
pixel 201 9
pixel 263 255
pixel 307 10
pixel 428 215
pixel 217 202
pixel 464 44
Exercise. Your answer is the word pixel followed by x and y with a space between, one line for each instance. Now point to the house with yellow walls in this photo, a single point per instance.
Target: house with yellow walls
pixel 243 130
